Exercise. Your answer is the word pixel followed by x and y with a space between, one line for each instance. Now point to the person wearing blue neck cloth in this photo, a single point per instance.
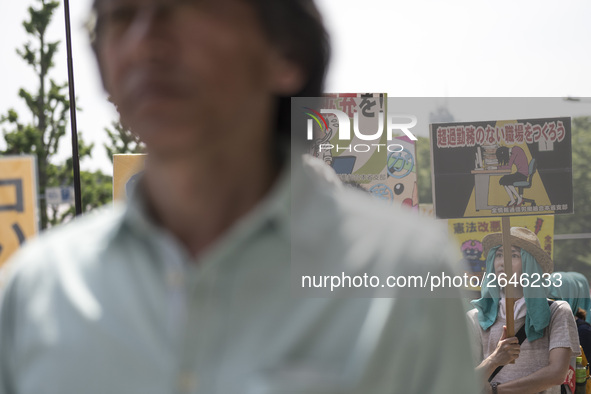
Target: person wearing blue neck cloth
pixel 543 361
pixel 574 289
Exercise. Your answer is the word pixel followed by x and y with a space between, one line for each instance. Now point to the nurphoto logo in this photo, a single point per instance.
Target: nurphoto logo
pixel 401 122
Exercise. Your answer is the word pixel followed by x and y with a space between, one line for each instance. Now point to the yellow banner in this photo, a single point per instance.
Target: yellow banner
pixel 126 169
pixel 469 233
pixel 18 203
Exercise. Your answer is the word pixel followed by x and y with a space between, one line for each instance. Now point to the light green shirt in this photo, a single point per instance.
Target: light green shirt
pixel 112 303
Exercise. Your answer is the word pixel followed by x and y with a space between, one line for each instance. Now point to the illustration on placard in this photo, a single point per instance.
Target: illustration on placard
pixel 365 159
pixel 469 233
pixel 519 167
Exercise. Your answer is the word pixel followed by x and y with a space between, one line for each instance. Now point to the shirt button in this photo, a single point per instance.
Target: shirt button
pixel 187 382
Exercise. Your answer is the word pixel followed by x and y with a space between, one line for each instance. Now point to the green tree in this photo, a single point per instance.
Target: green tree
pixel 575 254
pixel 122 140
pixel 49 108
pixel 423 159
pixel 96 187
pixel 48 104
pixel 423 152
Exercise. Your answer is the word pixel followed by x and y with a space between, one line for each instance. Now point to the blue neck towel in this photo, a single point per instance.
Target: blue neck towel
pixel 537 315
pixel 573 288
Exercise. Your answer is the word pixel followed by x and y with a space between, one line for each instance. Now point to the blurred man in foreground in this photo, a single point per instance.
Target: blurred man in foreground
pixel 188 289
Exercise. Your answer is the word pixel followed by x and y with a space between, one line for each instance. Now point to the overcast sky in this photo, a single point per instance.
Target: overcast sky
pixel 403 48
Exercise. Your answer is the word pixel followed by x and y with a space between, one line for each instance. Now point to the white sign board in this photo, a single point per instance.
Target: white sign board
pixel 59 195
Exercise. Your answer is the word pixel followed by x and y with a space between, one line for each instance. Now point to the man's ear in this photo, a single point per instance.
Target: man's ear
pixel 286 77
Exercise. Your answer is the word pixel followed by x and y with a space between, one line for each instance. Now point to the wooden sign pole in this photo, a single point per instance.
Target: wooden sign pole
pixel 508 264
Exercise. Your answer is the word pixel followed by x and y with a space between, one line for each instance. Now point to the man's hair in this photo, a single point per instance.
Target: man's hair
pixel 296 28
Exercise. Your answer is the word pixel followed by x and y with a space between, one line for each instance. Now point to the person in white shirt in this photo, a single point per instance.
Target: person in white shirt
pixel 190 287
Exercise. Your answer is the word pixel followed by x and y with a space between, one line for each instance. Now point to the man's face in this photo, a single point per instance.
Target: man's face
pixel 190 73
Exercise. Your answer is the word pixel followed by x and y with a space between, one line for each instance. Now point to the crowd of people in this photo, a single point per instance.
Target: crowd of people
pixel 187 288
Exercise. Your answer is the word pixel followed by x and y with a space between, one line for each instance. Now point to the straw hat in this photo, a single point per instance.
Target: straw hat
pixel 523 238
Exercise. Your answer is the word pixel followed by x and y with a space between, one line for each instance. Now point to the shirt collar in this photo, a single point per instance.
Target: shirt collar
pixel 273 210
